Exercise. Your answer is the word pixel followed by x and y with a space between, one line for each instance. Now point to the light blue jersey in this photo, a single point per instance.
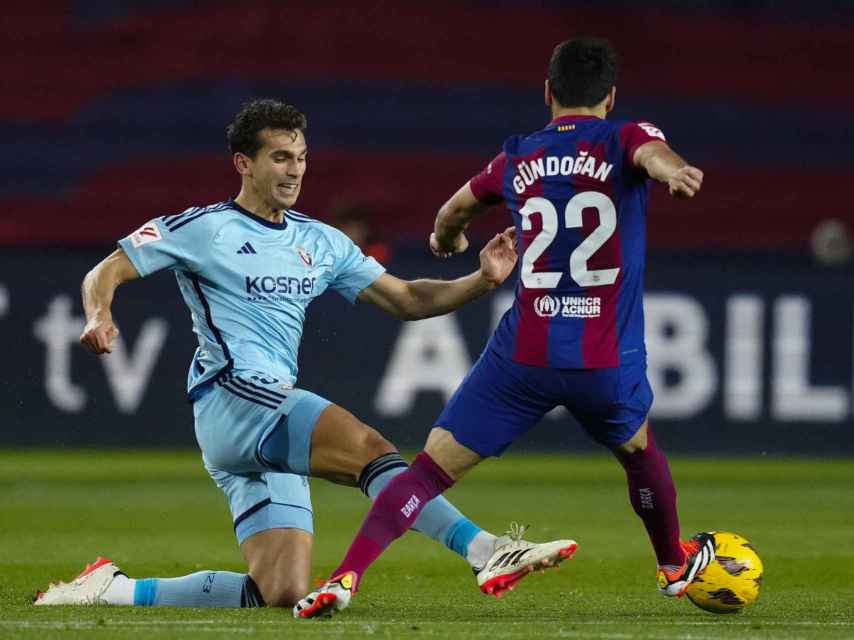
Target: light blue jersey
pixel 248 281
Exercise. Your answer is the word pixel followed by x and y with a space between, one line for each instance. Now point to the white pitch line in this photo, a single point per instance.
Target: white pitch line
pixel 81 626
pixel 210 626
pixel 247 623
pixel 563 633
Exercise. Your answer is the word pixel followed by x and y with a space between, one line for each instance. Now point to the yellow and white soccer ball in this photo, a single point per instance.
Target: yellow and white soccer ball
pixel 733 580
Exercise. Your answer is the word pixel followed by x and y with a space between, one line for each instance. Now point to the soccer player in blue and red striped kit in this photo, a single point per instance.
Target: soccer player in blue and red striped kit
pixel 574 336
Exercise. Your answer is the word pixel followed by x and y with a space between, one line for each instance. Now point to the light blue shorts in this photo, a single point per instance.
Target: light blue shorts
pixel 255 435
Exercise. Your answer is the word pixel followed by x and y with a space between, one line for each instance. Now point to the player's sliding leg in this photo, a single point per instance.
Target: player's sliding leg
pixel 497 402
pixel 433 471
pixel 347 451
pixel 653 497
pixel 279 561
pixel 276 542
pixel 272 515
pixel 309 436
pixel 268 507
pixel 104 583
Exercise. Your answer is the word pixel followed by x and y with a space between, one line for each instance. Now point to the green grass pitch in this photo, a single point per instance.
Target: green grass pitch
pixel 157 514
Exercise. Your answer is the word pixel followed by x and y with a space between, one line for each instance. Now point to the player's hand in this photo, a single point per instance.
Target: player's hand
pixel 498 257
pixel 686 182
pixel 99 334
pixel 461 243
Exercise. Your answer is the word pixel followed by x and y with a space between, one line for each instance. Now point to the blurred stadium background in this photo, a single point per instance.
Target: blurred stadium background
pixel 113 112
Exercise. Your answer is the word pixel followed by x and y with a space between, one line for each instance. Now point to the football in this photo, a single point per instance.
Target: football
pixel 733 580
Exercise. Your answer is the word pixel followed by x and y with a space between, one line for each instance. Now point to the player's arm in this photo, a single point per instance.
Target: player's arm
pixel 454 216
pixel 98 289
pixel 665 165
pixel 417 299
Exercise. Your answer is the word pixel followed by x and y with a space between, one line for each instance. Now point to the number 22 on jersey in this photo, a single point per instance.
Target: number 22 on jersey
pixel 583 276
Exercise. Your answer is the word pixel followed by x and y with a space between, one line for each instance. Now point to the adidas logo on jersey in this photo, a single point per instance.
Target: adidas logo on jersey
pixel 246 248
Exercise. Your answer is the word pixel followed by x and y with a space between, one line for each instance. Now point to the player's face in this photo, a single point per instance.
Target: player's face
pixel 279 166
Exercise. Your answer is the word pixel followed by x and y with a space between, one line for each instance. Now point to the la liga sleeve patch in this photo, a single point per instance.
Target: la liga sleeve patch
pixel 147 233
pixel 636 134
pixel 652 131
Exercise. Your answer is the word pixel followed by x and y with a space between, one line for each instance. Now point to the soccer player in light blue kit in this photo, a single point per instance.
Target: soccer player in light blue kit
pixel 247 269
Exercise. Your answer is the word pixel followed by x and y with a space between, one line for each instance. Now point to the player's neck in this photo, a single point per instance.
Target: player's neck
pixel 598 111
pixel 256 205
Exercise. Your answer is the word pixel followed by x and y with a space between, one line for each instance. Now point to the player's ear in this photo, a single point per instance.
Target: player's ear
pixel 611 99
pixel 548 94
pixel 241 163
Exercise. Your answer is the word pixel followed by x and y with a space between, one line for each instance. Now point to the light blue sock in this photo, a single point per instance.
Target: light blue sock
pixel 210 589
pixel 439 520
pixel 460 534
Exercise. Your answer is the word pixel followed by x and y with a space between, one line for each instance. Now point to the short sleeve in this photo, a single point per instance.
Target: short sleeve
pixel 154 246
pixel 488 185
pixel 635 134
pixel 354 270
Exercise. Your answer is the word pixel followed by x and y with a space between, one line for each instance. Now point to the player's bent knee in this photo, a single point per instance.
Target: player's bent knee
pixel 287 595
pixel 372 444
pixel 280 564
pixel 281 591
pixel 342 445
pixel 637 442
pixel 454 458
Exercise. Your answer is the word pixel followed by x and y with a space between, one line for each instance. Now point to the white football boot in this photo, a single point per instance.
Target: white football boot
pixel 87 588
pixel 334 595
pixel 514 558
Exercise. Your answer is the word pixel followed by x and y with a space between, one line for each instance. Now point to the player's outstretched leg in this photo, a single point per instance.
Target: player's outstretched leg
pixel 347 451
pixel 653 497
pixel 515 558
pixel 103 583
pixel 399 505
pixel 439 519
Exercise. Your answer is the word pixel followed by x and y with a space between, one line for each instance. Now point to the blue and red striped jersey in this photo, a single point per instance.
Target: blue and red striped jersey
pixel 579 207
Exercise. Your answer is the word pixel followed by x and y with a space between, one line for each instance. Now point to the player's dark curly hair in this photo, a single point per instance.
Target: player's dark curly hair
pixel 582 71
pixel 255 115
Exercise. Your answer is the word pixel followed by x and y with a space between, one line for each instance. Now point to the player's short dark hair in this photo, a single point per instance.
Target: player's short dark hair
pixel 582 71
pixel 259 114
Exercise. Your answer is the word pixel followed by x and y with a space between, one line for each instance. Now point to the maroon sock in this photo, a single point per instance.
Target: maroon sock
pixel 393 512
pixel 653 497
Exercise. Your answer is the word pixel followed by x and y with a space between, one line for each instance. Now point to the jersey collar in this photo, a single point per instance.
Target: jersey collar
pixel 272 225
pixel 574 118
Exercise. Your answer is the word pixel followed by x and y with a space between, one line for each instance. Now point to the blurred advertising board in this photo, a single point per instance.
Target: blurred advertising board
pixel 745 356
